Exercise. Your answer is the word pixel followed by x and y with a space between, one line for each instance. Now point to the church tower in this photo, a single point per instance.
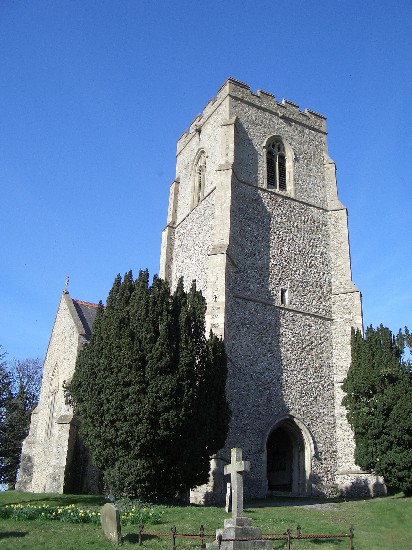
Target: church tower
pixel 255 218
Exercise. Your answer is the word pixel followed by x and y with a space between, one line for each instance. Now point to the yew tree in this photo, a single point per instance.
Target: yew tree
pixel 379 402
pixel 149 389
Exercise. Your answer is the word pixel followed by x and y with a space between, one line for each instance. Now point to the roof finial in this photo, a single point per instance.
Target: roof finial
pixel 66 285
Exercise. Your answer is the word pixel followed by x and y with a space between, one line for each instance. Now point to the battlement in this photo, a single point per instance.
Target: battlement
pixel 262 100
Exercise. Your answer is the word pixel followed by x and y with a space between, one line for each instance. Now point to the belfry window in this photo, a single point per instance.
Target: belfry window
pixel 276 174
pixel 199 174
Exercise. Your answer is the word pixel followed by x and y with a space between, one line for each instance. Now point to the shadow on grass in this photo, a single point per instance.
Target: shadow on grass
pixel 295 502
pixel 397 493
pixel 12 534
pixel 134 538
pixel 283 545
pixel 327 541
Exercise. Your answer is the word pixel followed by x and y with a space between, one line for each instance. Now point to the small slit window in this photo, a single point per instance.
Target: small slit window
pixel 284 298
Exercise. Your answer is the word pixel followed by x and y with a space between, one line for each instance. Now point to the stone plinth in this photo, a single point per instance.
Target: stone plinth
pixel 239 528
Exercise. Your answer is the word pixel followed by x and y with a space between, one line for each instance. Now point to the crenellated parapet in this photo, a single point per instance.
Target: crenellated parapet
pixel 237 90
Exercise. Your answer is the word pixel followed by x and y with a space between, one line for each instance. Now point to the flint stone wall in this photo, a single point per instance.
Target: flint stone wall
pixel 253 129
pixel 190 240
pixel 285 361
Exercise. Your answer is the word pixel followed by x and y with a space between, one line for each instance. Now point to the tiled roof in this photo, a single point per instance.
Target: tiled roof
pixel 87 314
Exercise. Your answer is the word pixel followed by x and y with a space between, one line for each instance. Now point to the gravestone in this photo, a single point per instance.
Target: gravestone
pixel 238 526
pixel 235 469
pixel 110 520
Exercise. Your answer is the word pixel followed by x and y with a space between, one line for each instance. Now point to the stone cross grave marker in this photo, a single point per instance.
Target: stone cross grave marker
pixel 110 520
pixel 236 468
pixel 238 532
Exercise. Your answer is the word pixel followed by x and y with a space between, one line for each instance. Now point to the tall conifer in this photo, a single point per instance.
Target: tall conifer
pixel 149 389
pixel 379 401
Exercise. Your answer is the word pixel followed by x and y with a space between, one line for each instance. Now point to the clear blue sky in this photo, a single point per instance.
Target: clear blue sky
pixel 94 94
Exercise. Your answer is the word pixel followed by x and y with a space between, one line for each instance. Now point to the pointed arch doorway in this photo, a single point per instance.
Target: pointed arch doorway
pixel 288 458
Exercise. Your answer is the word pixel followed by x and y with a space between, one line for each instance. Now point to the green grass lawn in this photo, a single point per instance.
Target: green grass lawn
pixel 381 523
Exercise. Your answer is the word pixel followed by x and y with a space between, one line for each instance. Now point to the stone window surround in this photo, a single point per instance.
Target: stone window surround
pixel 290 161
pixel 198 178
pixel 52 396
pixel 297 429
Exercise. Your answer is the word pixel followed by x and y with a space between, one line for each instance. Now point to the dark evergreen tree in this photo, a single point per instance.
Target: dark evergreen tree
pixel 5 396
pixel 149 389
pixel 379 402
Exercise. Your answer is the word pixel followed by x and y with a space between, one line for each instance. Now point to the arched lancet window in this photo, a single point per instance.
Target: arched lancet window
pixel 199 175
pixel 53 389
pixel 278 165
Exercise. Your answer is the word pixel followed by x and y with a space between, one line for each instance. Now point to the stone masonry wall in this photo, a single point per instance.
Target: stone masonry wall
pixel 274 374
pixel 191 239
pixel 280 356
pixel 286 361
pixel 207 139
pixel 279 243
pixel 189 236
pixel 47 443
pixel 255 126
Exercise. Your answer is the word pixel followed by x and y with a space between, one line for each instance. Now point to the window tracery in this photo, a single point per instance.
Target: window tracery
pixel 279 165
